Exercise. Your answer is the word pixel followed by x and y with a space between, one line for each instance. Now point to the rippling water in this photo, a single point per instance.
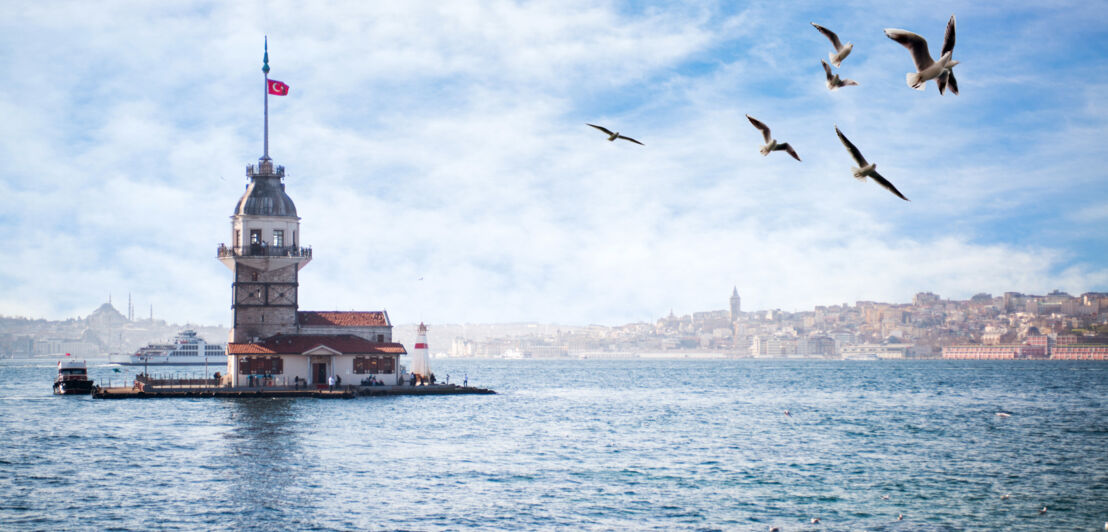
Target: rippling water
pixel 601 445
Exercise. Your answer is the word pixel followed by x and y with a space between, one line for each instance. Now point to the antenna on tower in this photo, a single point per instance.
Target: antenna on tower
pixel 265 71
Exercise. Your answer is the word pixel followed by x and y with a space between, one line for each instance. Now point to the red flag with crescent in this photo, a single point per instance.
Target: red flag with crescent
pixel 278 88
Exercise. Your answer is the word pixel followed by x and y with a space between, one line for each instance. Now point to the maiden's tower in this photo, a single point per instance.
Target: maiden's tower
pixel 272 341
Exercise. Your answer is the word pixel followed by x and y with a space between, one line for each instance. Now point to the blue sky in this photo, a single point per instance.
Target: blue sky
pixel 447 141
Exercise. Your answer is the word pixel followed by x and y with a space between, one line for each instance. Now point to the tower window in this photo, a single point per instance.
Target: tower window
pixel 255 236
pixel 278 238
pixel 238 238
pixel 253 276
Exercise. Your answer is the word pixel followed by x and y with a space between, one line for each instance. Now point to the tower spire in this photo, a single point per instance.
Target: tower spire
pixel 265 70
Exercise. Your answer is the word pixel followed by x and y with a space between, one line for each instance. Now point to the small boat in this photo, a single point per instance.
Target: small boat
pixel 72 378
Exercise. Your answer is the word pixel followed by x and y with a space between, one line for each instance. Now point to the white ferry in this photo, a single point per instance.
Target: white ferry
pixel 187 349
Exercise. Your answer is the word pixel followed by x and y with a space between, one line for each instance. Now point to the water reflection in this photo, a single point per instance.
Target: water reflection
pixel 265 458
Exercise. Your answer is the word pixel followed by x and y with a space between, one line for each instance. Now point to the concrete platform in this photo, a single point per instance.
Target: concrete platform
pixel 346 392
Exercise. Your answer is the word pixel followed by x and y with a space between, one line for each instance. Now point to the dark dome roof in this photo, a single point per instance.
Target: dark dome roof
pixel 266 196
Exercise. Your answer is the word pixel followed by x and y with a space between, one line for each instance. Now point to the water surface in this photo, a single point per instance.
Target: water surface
pixel 595 445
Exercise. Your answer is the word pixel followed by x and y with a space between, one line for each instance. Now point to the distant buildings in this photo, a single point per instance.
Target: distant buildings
pixel 104 331
pixel 1010 326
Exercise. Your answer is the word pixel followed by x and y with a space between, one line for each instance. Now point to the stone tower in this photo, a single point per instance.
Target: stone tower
pixel 736 304
pixel 265 254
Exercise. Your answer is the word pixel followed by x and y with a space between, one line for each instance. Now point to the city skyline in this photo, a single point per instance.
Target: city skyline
pixel 440 154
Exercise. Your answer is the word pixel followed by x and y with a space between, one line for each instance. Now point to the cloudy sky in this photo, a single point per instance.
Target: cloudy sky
pixel 446 141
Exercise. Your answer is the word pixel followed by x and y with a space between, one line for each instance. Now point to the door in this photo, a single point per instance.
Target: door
pixel 319 372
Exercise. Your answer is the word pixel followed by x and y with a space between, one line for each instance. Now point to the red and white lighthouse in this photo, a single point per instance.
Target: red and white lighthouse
pixel 421 361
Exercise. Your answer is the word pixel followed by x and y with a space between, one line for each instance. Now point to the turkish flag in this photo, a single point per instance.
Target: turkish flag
pixel 278 88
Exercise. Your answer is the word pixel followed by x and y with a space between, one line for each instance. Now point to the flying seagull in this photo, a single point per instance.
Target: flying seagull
pixel 867 169
pixel 947 77
pixel 841 51
pixel 927 68
pixel 771 143
pixel 833 80
pixel 613 136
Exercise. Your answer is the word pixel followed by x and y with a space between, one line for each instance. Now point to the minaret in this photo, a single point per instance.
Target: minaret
pixel 265 252
pixel 736 304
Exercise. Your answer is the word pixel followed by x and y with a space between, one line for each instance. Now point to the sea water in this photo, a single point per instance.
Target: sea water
pixel 590 445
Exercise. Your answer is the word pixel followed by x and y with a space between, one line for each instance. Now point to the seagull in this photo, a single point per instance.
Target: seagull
pixel 771 143
pixel 1005 496
pixel 841 51
pixel 787 413
pixel 1043 511
pixel 884 497
pixel 867 169
pixel 833 80
pixel 815 520
pixel 1003 414
pixel 927 68
pixel 947 77
pixel 616 135
pixel 899 517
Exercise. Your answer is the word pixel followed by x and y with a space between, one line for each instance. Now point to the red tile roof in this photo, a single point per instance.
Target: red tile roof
pixel 343 319
pixel 296 344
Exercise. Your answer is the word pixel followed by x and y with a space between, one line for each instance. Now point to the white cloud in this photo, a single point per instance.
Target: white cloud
pixel 448 142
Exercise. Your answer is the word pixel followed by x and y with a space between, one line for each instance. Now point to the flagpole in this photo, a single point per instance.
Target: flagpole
pixel 265 70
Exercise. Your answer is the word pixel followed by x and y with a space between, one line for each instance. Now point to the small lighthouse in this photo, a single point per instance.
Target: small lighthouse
pixel 421 361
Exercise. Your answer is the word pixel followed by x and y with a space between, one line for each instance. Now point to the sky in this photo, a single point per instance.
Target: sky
pixel 438 156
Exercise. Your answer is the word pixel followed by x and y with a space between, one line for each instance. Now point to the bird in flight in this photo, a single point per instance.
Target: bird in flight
pixel 947 77
pixel 771 143
pixel 926 68
pixel 833 80
pixel 613 136
pixel 841 51
pixel 866 169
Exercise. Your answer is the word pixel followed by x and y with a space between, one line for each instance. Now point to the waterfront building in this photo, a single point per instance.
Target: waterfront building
pixel 1011 351
pixel 877 351
pixel 1080 352
pixel 271 340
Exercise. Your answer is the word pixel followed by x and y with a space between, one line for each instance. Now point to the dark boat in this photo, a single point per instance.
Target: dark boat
pixel 72 378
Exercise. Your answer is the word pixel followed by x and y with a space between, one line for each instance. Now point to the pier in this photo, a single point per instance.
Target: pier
pixel 171 388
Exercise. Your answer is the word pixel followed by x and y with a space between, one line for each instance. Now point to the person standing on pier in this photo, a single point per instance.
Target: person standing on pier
pixel 331 383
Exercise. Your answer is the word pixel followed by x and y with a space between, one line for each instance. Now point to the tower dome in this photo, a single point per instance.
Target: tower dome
pixel 265 195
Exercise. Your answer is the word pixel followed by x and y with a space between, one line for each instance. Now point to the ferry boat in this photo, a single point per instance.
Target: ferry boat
pixel 72 378
pixel 187 349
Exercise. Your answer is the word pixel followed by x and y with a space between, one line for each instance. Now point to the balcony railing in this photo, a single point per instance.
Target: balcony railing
pixel 258 250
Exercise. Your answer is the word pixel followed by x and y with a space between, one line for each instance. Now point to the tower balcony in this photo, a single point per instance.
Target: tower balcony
pixel 264 257
pixel 259 250
pixel 265 168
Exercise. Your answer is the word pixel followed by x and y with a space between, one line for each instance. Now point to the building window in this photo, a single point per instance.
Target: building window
pixel 373 365
pixel 261 366
pixel 255 236
pixel 278 237
pixel 238 239
pixel 253 276
pixel 380 338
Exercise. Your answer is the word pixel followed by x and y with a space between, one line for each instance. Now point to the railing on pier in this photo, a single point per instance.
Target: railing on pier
pixel 258 250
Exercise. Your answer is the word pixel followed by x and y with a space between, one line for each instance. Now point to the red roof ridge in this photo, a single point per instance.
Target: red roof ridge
pixel 341 318
pixel 294 344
